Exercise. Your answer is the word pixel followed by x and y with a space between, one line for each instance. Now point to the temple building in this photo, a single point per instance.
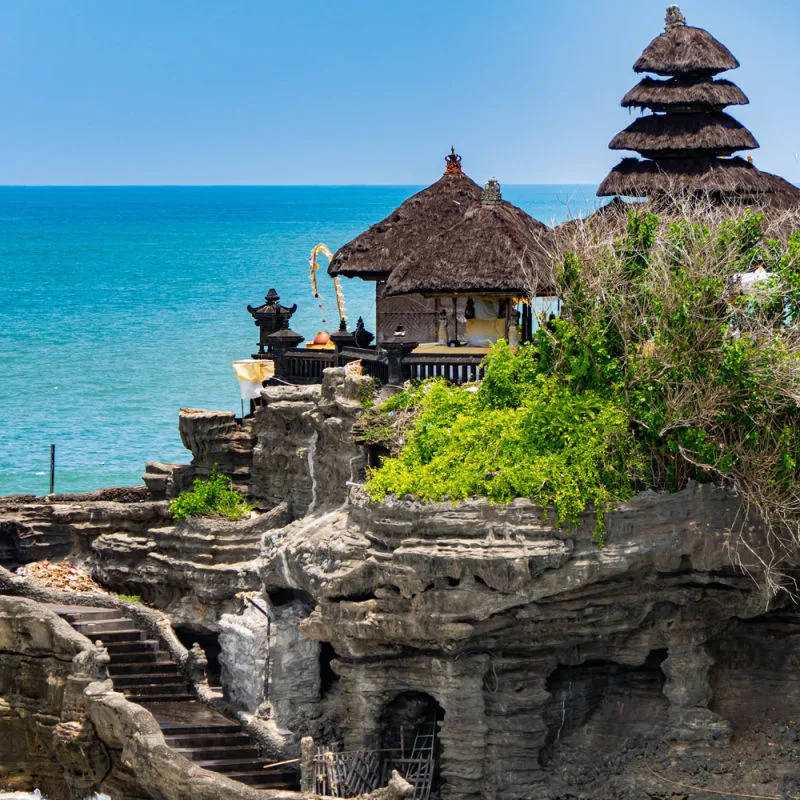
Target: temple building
pixel 687 141
pixel 451 254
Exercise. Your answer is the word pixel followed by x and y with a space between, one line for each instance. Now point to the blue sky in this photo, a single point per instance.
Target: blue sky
pixel 355 91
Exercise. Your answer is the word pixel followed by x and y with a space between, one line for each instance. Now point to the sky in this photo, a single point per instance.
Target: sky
pixel 355 91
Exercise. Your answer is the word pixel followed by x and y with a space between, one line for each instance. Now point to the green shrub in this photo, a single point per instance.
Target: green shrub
pixel 214 497
pixel 660 370
pixel 130 598
pixel 551 445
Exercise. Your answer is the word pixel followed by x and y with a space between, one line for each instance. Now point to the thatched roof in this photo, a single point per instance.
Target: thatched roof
pixel 679 133
pixel 374 254
pixel 495 249
pixel 727 177
pixel 612 212
pixel 684 50
pixel 681 93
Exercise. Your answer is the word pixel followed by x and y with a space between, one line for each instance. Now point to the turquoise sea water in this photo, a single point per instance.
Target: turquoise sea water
pixel 120 305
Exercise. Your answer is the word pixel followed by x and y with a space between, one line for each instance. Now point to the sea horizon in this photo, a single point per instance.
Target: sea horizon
pixel 122 304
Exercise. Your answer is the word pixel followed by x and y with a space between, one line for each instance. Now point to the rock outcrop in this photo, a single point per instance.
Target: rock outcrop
pixel 298 447
pixel 550 667
pixel 537 646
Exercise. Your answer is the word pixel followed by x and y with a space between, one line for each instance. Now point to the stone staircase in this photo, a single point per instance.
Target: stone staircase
pixel 148 675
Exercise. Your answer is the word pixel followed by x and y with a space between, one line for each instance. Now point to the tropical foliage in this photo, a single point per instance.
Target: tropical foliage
pixel 214 497
pixel 676 357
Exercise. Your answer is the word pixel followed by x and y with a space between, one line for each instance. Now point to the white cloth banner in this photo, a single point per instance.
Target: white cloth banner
pixel 251 374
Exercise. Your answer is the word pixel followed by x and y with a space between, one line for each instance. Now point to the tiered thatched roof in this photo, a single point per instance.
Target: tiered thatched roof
pixel 684 50
pixel 688 138
pixel 496 249
pixel 684 133
pixel 728 177
pixel 375 253
pixel 681 93
pixel 452 238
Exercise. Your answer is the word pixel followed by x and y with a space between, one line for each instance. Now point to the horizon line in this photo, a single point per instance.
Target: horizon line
pixel 247 185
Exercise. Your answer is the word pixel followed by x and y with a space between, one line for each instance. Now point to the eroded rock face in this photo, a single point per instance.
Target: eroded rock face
pixel 552 668
pixel 244 641
pixel 536 646
pixel 297 449
pixel 305 453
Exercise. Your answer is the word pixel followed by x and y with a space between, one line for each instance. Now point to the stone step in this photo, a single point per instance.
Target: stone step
pixel 154 678
pixel 218 753
pixel 149 676
pixel 189 729
pixel 164 689
pixel 137 646
pixel 239 764
pixel 262 778
pixel 143 700
pixel 213 739
pixel 93 615
pixel 119 669
pixel 138 658
pixel 91 628
pixel 115 636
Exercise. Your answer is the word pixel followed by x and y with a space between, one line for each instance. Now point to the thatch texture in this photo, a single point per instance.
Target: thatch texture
pixel 683 93
pixel 681 133
pixel 732 178
pixel 684 50
pixel 375 253
pixel 614 213
pixel 495 249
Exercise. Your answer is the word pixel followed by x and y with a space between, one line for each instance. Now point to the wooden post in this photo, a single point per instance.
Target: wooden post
pixel 52 468
pixel 307 766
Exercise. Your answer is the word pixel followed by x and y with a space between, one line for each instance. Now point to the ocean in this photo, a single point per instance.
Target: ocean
pixel 120 305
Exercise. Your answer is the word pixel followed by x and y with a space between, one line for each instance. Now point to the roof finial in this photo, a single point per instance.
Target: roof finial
pixel 674 18
pixel 453 162
pixel 491 193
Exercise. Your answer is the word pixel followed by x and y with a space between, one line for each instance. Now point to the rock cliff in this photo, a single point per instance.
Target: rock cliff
pixel 551 668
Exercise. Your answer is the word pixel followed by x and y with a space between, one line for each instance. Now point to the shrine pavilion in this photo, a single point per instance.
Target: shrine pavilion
pixel 453 256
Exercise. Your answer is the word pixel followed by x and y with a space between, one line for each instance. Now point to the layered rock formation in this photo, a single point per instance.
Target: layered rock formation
pixel 536 645
pixel 551 668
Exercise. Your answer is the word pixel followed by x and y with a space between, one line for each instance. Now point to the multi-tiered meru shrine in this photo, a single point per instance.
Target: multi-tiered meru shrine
pixel 687 141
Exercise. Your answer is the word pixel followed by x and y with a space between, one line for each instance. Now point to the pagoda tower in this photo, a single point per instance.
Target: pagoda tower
pixel 687 139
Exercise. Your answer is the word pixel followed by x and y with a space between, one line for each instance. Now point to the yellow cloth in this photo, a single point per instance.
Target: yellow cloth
pixel 441 349
pixel 487 327
pixel 327 346
pixel 253 370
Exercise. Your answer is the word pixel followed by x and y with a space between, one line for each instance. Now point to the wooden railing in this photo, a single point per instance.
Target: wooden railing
pixel 454 368
pixel 302 366
pixel 373 362
pixel 299 365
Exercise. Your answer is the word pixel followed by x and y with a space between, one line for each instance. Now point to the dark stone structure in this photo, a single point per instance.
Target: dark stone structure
pixel 270 318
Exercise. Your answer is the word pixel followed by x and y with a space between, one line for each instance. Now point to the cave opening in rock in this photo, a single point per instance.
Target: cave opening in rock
pixel 282 597
pixel 604 701
pixel 210 644
pixel 410 741
pixel 327 676
pixel 754 678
